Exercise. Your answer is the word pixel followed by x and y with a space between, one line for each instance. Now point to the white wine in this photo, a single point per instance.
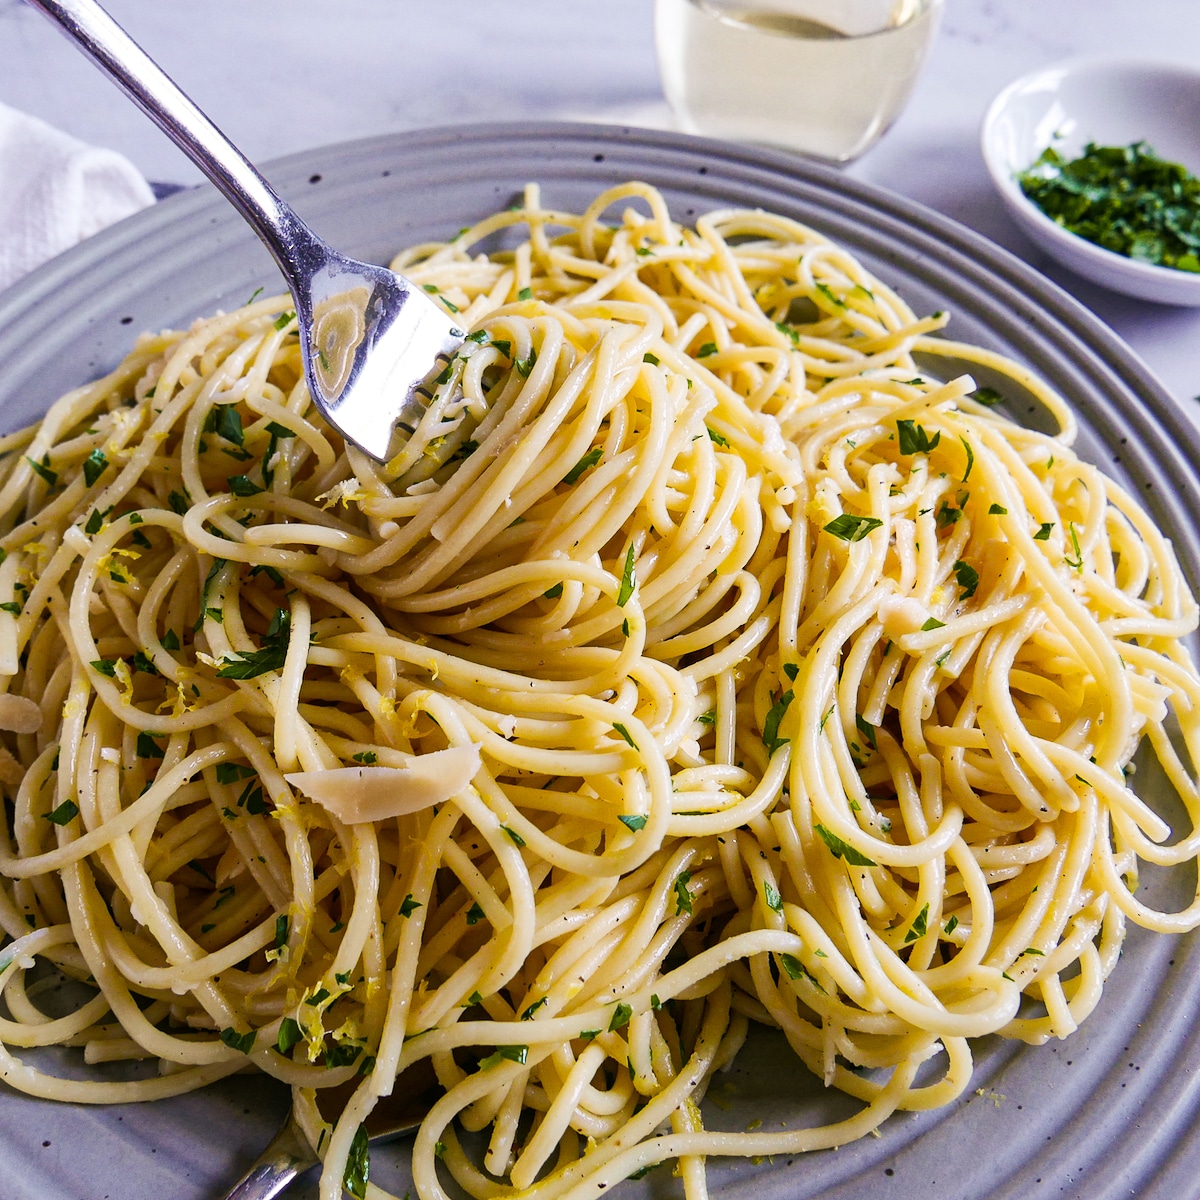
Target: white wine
pixel 782 75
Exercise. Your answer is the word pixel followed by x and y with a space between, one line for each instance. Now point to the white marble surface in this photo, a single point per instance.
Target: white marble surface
pixel 283 77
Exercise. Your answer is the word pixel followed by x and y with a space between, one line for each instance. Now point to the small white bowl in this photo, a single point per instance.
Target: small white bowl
pixel 1111 103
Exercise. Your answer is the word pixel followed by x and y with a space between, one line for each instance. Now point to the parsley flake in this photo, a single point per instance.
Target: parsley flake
pixel 843 850
pixel 589 460
pixel 914 439
pixel 628 579
pixel 919 926
pixel 94 466
pixel 850 528
pixel 68 810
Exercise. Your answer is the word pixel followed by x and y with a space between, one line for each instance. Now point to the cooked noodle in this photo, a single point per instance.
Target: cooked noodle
pixel 803 683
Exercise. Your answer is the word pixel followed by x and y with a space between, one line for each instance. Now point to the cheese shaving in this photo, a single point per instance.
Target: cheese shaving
pixel 358 794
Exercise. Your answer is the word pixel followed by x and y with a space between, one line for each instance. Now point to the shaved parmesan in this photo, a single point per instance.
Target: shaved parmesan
pixel 19 714
pixel 358 794
pixel 901 615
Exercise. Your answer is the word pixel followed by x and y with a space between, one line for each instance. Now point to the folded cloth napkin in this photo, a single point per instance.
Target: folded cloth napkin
pixel 55 191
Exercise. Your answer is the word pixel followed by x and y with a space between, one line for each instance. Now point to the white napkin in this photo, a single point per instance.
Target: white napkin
pixel 55 191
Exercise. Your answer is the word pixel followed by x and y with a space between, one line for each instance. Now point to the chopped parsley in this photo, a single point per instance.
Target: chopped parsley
pixel 342 1055
pixel 589 460
pixel 914 439
pixel 1077 561
pixel 797 970
pixel 238 1041
pixel 141 662
pixel 628 579
pixel 517 1054
pixel 147 747
pixel 866 729
pixel 1123 198
pixel 270 657
pixel 946 515
pixel 228 772
pixel 841 849
pixel 68 810
pixel 850 528
pixel 920 925
pixel 683 897
pixel 770 735
pixel 94 466
pixel 43 469
pixel 633 823
pixel 528 1014
pixel 967 578
pixel 970 459
pixel 270 572
pixel 358 1165
pixel 240 485
pixel 827 292
pixel 625 734
pixel 620 1018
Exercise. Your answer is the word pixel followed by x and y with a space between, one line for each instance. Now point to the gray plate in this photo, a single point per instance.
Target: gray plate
pixel 1109 1113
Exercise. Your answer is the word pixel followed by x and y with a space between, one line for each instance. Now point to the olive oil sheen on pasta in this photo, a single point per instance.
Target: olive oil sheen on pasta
pixel 826 78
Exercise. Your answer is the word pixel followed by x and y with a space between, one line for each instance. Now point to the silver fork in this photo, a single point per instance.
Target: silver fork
pixel 371 340
pixel 289 1154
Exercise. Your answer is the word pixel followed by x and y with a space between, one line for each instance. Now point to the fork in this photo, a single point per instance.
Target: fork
pixel 289 1153
pixel 370 339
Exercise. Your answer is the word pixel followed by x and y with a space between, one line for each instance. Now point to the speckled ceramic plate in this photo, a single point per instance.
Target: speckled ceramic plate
pixel 1110 1113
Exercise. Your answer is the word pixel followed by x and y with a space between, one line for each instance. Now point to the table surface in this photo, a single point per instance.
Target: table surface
pixel 281 78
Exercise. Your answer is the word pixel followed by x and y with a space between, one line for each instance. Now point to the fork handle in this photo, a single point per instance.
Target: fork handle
pixel 287 1156
pixel 157 95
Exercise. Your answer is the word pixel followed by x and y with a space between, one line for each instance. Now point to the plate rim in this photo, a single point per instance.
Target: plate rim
pixel 1142 401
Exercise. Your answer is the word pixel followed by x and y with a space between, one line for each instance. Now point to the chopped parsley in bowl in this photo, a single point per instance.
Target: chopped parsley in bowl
pixel 1123 198
pixel 1068 149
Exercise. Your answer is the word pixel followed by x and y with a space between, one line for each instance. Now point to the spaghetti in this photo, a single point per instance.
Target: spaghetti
pixel 701 660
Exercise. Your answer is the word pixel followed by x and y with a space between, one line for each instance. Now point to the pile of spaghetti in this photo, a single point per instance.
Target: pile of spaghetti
pixel 702 660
